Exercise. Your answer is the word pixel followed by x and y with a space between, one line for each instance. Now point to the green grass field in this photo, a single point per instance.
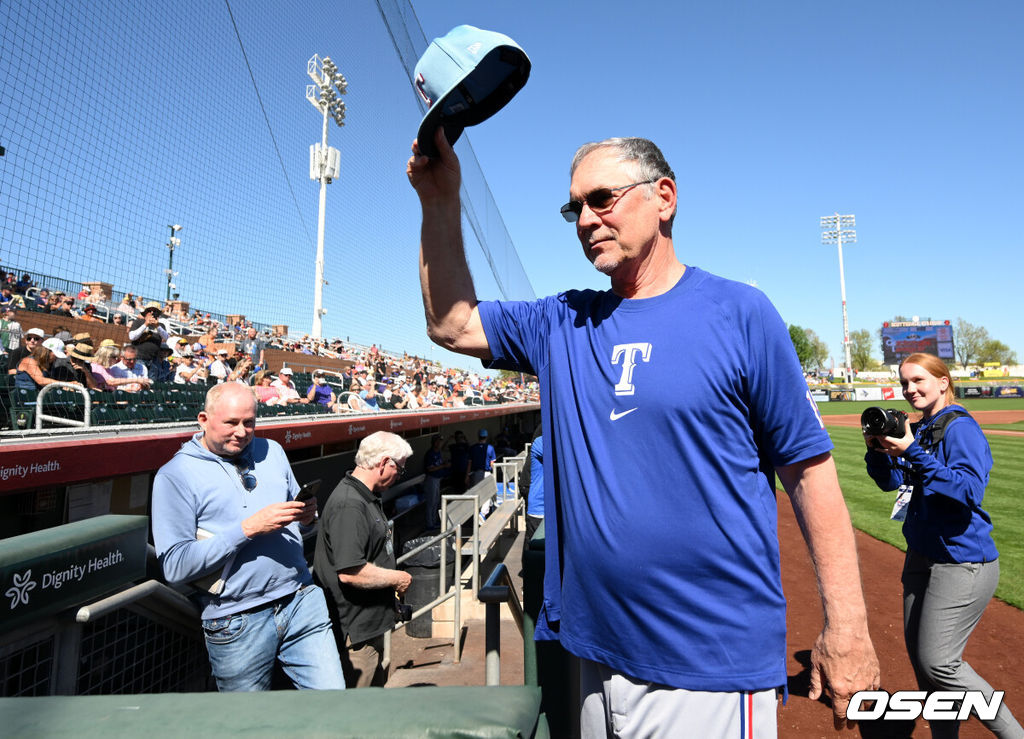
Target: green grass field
pixel 971 404
pixel 1004 498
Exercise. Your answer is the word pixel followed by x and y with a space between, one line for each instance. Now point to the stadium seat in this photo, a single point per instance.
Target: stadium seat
pixel 135 413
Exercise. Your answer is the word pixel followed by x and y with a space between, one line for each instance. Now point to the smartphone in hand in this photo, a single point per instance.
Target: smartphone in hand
pixel 308 491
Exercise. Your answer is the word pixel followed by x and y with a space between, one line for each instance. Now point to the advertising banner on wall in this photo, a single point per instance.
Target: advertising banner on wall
pixel 1008 391
pixel 51 570
pixel 868 393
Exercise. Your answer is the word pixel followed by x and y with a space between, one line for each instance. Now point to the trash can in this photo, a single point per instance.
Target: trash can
pixel 424 570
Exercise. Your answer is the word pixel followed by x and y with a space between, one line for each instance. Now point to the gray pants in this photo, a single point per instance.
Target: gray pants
pixel 942 603
pixel 616 705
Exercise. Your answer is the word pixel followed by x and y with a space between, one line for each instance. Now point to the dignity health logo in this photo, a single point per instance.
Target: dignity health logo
pixel 18 592
pixel 22 584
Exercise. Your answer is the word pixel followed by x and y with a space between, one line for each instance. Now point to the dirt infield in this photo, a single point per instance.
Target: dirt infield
pixel 991 417
pixel 989 650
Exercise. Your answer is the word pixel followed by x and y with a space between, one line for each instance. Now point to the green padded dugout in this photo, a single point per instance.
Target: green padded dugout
pixel 491 712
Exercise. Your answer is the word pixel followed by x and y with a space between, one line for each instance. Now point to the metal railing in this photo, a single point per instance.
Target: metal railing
pixel 40 416
pixel 498 589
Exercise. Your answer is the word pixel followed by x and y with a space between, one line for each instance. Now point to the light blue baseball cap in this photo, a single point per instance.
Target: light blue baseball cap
pixel 465 77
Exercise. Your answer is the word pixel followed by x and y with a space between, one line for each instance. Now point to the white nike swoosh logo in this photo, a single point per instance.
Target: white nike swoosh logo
pixel 613 416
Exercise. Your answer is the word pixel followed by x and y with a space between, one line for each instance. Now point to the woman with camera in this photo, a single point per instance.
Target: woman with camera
pixel 951 569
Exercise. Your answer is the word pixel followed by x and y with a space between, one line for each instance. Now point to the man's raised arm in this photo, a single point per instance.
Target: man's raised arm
pixel 449 298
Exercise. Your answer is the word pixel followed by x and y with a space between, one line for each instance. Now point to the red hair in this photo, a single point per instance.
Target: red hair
pixel 934 367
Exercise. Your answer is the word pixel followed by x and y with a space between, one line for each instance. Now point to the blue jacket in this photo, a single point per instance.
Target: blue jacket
pixel 945 521
pixel 198 489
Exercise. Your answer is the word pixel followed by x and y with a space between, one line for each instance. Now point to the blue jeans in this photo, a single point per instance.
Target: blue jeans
pixel 296 630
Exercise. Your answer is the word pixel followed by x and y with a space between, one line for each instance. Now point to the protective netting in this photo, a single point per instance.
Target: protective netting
pixel 120 119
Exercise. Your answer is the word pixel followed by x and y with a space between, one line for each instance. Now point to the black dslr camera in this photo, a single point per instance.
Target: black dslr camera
pixel 877 421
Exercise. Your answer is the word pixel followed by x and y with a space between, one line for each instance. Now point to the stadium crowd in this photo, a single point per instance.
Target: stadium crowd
pixel 165 344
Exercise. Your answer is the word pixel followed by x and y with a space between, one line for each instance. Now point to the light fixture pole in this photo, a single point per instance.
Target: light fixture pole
pixel 323 160
pixel 172 243
pixel 838 229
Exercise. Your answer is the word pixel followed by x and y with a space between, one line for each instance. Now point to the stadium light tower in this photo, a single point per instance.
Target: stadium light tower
pixel 323 94
pixel 836 230
pixel 173 243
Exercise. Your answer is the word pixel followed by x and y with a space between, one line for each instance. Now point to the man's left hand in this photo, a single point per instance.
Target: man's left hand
pixel 842 664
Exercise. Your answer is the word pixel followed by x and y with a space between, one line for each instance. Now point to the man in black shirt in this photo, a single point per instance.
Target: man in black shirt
pixel 355 558
pixel 147 334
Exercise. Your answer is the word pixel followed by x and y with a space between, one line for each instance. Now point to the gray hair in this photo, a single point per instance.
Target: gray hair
pixel 650 162
pixel 381 444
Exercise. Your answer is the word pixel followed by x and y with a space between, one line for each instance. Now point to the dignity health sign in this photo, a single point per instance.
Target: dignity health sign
pixel 68 566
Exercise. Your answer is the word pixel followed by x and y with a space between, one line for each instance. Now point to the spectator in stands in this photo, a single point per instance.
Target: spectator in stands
pixel 81 357
pixel 226 503
pixel 180 348
pixel 209 340
pixel 24 284
pixel 131 368
pixel 242 371
pixel 127 306
pixel 42 299
pixel 352 402
pixel 61 332
pixel 64 306
pixel 369 396
pixel 118 319
pixel 435 469
pixel 160 369
pixel 355 558
pixel 61 368
pixel 89 314
pixel 322 394
pixel 481 456
pixel 255 348
pixel 219 368
pixel 621 402
pixel 10 331
pixel 33 370
pixel 286 388
pixel 147 334
pixel 399 399
pixel 265 392
pixel 9 299
pixel 188 371
pixel 108 354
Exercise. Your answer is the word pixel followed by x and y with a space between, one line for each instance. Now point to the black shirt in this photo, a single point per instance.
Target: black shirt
pixel 147 345
pixel 354 531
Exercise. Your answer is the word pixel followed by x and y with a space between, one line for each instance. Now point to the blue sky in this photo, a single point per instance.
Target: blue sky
pixel 772 115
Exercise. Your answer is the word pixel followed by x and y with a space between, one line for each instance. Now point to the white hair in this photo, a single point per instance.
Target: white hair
pixel 379 445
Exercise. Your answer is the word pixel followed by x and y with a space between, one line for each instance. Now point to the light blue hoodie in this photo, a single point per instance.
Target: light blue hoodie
pixel 197 489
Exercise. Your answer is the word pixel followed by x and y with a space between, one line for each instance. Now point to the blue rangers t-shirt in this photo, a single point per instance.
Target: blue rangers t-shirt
pixel 664 418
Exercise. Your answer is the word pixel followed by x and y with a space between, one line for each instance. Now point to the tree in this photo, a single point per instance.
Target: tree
pixel 819 350
pixel 996 351
pixel 798 336
pixel 968 342
pixel 860 350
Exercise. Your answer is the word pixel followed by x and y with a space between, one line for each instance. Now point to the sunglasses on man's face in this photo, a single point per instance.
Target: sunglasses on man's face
pixel 601 200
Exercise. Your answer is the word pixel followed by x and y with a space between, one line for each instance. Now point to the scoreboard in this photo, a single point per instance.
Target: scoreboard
pixel 902 338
